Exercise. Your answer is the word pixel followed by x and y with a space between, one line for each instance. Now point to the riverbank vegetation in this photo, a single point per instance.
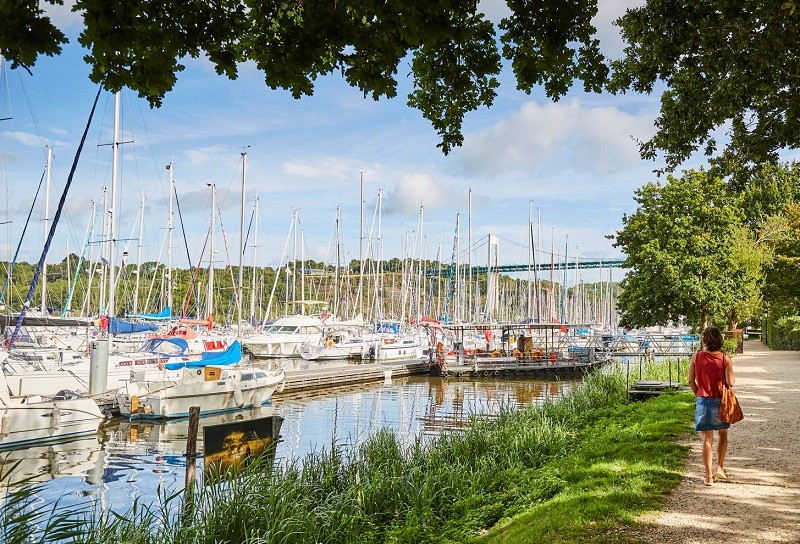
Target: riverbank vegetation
pixel 573 470
pixel 715 247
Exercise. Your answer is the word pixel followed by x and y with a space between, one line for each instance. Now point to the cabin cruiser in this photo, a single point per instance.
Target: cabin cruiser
pixel 284 337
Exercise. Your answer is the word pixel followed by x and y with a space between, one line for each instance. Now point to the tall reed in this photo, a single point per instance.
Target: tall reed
pixel 380 491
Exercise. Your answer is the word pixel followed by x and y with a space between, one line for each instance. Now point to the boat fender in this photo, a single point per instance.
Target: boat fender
pixel 238 398
pixel 6 424
pixel 55 418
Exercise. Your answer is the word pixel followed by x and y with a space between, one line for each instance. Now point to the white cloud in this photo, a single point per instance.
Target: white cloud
pixel 565 136
pixel 25 138
pixel 608 11
pixel 323 168
pixel 413 190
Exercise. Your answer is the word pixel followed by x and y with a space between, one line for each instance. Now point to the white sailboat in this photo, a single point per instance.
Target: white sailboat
pixel 30 420
pixel 213 388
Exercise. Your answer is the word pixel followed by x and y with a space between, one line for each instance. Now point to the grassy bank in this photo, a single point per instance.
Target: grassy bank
pixel 568 472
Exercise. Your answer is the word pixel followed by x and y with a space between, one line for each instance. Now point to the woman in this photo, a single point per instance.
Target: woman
pixel 709 367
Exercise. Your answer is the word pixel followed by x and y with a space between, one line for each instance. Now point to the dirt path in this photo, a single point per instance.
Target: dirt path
pixel 760 503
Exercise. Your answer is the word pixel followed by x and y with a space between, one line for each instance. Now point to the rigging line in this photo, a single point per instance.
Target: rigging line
pixel 185 309
pixel 152 152
pixel 33 114
pixel 22 236
pixel 193 285
pixel 227 254
pixel 244 249
pixel 53 225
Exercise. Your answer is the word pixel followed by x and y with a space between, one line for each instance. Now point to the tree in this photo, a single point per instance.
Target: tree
pixel 455 55
pixel 678 247
pixel 782 285
pixel 722 61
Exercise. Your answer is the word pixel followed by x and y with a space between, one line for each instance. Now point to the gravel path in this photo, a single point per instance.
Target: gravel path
pixel 760 503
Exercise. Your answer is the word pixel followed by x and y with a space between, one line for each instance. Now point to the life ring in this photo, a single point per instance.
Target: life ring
pixel 329 343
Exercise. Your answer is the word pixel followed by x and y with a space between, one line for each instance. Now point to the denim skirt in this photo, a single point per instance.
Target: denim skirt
pixel 706 415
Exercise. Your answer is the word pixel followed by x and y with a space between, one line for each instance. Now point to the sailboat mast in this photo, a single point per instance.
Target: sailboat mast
pixel 171 168
pixel 361 244
pixel 470 311
pixel 139 257
pixel 336 268
pixel 241 247
pixel 46 221
pixel 210 287
pixel 255 246
pixel 113 208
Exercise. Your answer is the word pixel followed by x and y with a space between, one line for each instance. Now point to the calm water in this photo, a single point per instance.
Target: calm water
pixel 127 460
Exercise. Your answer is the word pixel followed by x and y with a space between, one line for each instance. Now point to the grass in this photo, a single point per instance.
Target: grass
pixel 573 470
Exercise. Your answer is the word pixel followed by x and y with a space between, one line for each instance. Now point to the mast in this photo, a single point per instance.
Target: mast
pixel 210 287
pixel 470 311
pixel 46 221
pixel 103 262
pixel 530 257
pixel 241 247
pixel 255 246
pixel 361 244
pixel 564 286
pixel 336 268
pixel 113 209
pixel 139 257
pixel 171 168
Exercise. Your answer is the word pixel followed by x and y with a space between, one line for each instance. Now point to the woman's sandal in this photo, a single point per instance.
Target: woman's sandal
pixel 708 481
pixel 720 474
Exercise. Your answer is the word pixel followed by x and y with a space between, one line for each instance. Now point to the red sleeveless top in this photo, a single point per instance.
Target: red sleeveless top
pixel 709 371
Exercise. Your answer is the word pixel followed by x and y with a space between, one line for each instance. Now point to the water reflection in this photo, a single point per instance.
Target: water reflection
pixel 129 460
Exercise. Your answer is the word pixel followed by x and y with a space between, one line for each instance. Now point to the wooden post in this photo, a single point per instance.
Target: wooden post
pixel 191 462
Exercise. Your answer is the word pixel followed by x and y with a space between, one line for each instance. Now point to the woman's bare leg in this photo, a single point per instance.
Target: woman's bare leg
pixel 708 449
pixel 722 450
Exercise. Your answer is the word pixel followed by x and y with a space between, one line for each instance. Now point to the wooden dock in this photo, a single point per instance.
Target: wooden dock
pixel 510 366
pixel 297 380
pixel 643 389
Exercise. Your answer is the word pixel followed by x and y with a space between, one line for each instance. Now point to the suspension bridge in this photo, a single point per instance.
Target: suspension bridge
pixel 570 265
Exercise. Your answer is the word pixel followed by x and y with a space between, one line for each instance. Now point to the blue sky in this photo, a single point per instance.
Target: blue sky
pixel 575 160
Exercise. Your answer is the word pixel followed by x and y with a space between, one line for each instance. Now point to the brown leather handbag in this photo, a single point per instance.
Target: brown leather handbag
pixel 729 409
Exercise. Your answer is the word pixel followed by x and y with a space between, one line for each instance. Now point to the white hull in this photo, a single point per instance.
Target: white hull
pixel 284 337
pixel 229 389
pixel 391 349
pixel 34 420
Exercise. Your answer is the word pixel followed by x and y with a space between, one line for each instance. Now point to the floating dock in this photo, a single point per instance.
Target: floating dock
pixel 513 366
pixel 297 380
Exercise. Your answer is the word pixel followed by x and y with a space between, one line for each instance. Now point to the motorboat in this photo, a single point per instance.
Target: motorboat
pixel 284 337
pixel 148 395
pixel 336 343
pixel 32 371
pixel 33 419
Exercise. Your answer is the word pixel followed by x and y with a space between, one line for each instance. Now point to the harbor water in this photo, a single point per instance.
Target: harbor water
pixel 128 461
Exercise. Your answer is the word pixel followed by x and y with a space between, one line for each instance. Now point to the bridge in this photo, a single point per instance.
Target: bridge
pixel 589 264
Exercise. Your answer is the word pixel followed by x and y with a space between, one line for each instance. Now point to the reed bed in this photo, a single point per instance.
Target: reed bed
pixel 381 491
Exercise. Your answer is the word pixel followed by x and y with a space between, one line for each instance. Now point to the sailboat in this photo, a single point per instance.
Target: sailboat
pixel 215 388
pixel 28 420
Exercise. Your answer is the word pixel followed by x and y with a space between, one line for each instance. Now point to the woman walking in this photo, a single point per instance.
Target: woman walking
pixel 708 369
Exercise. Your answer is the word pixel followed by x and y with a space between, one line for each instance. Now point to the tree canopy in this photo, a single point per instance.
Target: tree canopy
pixel 455 53
pixel 678 247
pixel 726 66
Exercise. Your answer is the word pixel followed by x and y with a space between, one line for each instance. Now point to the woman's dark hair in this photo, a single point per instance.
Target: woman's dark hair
pixel 712 339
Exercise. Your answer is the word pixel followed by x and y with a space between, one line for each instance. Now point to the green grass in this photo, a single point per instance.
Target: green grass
pixel 624 465
pixel 573 470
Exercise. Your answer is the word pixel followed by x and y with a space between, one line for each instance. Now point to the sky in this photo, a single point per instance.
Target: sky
pixel 573 165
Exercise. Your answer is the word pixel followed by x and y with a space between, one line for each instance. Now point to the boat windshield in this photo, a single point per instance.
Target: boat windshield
pixel 158 345
pixel 282 329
